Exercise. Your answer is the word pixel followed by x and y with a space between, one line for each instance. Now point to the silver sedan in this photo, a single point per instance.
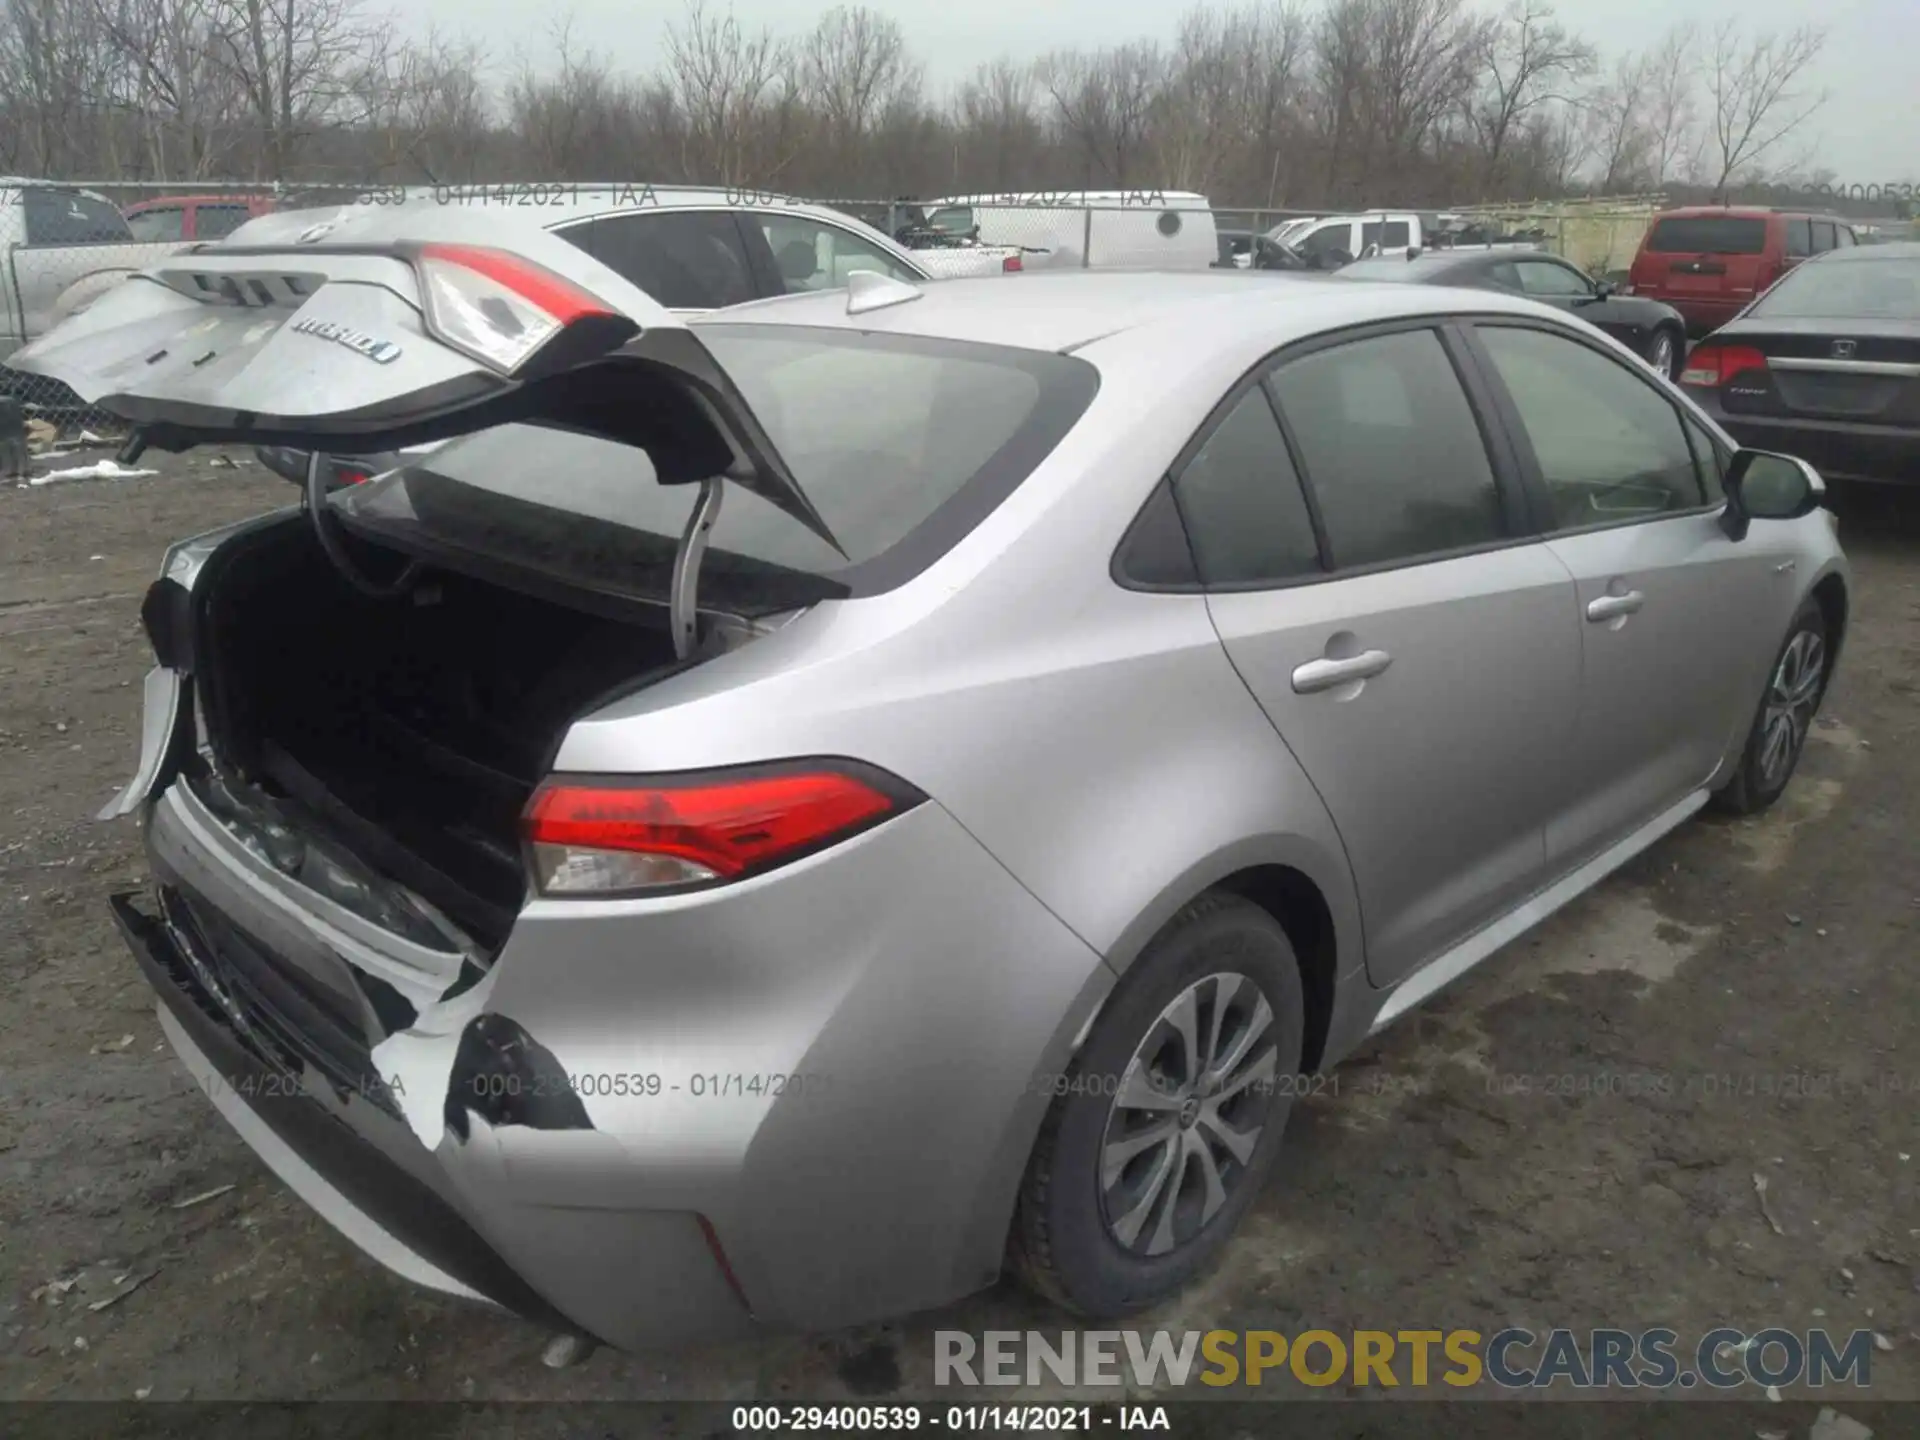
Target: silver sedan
pixel 791 812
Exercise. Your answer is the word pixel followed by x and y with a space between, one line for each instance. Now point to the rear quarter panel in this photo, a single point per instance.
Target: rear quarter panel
pixel 1096 740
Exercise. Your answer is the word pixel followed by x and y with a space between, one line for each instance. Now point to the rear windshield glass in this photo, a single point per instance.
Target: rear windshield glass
pixel 901 443
pixel 1877 289
pixel 66 217
pixel 1708 234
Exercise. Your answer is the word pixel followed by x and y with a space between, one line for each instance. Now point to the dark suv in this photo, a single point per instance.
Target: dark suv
pixel 1709 262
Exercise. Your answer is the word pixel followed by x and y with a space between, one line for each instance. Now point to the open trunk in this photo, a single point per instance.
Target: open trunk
pixel 411 730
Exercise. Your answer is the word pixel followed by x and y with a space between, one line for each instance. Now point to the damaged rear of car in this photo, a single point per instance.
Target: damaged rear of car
pixel 395 939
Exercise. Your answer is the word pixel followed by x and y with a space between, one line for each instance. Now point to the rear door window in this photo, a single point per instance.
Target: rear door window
pixel 1799 238
pixel 1708 234
pixel 685 259
pixel 1823 236
pixel 1393 455
pixel 66 217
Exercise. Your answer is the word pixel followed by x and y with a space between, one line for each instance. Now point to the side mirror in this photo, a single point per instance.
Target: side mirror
pixel 1764 486
pixel 1605 289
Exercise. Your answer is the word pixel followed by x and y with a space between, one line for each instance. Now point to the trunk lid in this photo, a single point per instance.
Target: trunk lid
pixel 377 330
pixel 1863 371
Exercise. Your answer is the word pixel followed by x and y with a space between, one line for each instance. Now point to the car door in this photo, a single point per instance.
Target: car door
pixel 688 260
pixel 1671 613
pixel 1330 244
pixel 1370 574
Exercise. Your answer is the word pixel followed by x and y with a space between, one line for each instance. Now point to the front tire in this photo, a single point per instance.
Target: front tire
pixel 1795 686
pixel 1171 1117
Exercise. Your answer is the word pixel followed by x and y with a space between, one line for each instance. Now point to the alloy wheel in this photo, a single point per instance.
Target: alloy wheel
pixel 1791 698
pixel 1660 358
pixel 1188 1114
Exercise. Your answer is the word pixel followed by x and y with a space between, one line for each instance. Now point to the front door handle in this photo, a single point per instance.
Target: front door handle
pixel 1612 607
pixel 1318 675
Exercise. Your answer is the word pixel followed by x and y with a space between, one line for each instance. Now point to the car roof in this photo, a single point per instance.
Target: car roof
pixel 1070 309
pixel 1428 263
pixel 1748 212
pixel 561 201
pixel 1867 254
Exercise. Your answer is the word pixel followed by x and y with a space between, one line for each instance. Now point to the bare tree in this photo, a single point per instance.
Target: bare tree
pixel 299 66
pixel 1756 94
pixel 853 66
pixel 1673 110
pixel 733 88
pixel 1102 103
pixel 1528 60
pixel 1619 134
pixel 1000 139
pixel 186 100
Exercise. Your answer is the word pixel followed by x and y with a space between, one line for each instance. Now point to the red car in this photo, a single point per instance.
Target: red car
pixel 1710 261
pixel 194 217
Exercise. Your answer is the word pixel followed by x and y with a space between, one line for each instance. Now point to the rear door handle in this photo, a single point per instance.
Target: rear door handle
pixel 1318 675
pixel 1611 607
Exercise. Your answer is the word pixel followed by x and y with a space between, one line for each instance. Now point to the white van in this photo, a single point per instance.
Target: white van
pixel 1098 229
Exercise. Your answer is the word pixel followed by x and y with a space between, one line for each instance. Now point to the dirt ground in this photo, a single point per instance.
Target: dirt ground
pixel 1479 1166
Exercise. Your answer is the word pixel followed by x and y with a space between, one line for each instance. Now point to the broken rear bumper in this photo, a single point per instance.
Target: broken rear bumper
pixel 345 1155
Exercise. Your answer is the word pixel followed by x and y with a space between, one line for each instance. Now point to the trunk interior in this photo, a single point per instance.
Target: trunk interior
pixel 414 729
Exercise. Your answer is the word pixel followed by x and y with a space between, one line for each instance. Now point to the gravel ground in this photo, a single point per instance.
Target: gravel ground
pixel 1476 1167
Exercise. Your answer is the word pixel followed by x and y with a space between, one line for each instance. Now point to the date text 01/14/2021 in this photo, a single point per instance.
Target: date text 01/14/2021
pixel 1044 1419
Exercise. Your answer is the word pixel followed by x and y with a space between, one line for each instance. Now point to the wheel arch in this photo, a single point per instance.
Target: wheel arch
pixel 1830 594
pixel 1308 893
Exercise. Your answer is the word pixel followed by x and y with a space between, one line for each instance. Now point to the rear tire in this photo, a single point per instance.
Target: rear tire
pixel 1134 1188
pixel 1667 352
pixel 1795 686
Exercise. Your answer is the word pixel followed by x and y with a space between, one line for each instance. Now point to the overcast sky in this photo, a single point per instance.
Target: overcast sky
pixel 1869 131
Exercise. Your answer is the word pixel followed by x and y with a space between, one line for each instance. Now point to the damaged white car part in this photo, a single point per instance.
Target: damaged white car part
pixel 236 343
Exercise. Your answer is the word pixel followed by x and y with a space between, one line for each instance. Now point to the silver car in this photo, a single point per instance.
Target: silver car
pixel 802 808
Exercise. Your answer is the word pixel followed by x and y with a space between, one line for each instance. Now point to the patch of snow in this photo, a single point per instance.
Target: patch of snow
pixel 101 470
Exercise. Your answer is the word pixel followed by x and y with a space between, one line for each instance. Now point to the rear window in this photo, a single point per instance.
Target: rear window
pixel 1708 234
pixel 1876 289
pixel 902 443
pixel 66 217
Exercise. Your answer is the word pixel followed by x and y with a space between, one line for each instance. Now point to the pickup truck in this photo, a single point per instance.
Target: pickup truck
pixel 59 246
pixel 1333 240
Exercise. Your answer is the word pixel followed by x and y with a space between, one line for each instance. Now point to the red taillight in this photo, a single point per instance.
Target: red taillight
pixel 600 837
pixel 496 306
pixel 1714 365
pixel 1011 263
